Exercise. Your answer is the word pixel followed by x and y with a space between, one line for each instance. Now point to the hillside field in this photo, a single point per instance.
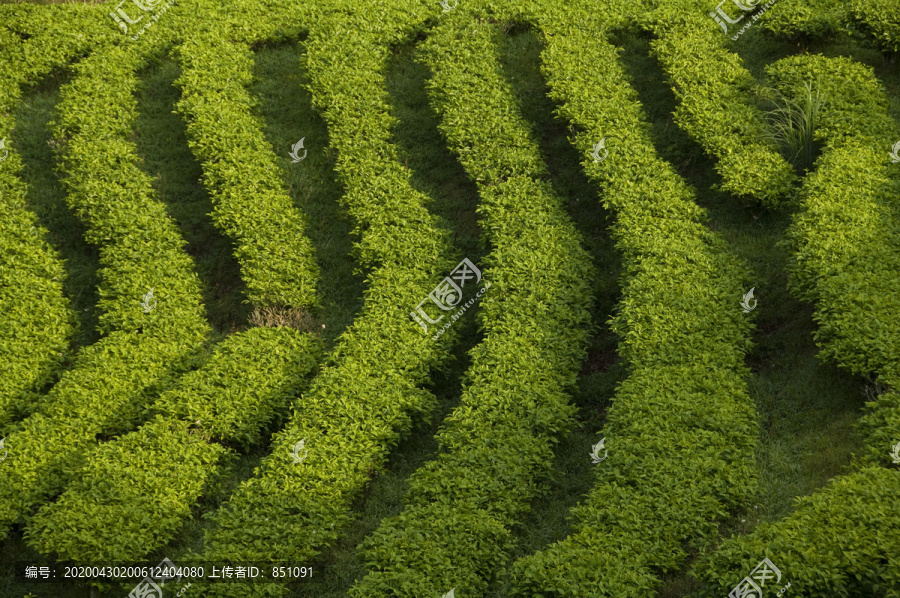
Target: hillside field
pixel 450 299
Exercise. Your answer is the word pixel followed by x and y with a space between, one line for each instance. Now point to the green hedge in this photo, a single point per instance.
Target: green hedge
pixel 121 508
pixel 140 248
pixel 496 446
pixel 801 20
pixel 879 20
pixel 133 493
pixel 37 322
pixel 845 242
pixel 682 430
pixel 242 175
pixel 364 399
pixel 841 540
pixel 716 108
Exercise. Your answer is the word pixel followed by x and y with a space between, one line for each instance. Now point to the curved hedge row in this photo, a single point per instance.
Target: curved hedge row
pixel 840 541
pixel 140 249
pixel 497 445
pixel 715 107
pixel 37 321
pixel 121 508
pixel 682 429
pixel 846 241
pixel 133 493
pixel 363 401
pixel 241 173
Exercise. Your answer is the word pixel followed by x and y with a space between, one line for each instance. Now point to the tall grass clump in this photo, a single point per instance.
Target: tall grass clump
pixel 792 124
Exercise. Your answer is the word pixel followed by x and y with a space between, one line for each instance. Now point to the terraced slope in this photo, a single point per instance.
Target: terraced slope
pixel 125 449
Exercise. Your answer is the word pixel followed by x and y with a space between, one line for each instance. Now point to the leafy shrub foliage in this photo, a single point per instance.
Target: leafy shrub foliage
pixel 841 540
pixel 133 493
pixel 801 21
pixel 241 174
pixel 845 239
pixel 880 20
pixel 715 104
pixel 497 445
pixel 838 542
pixel 681 431
pixel 140 249
pixel 364 398
pixel 682 428
pixel 37 322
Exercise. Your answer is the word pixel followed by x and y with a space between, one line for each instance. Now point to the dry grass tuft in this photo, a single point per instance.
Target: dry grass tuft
pixel 290 317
